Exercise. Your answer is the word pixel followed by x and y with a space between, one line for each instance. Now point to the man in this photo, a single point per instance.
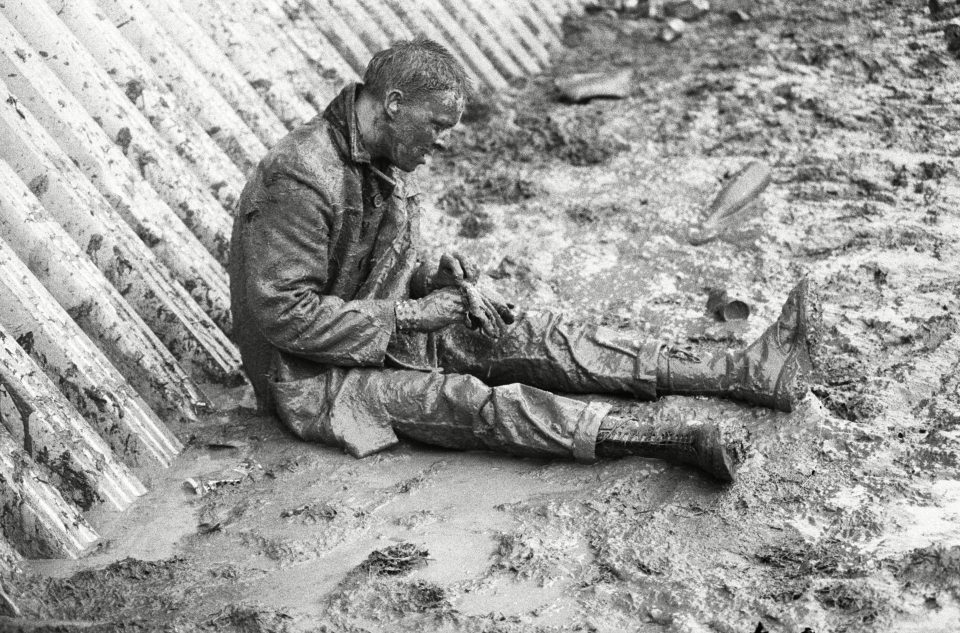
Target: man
pixel 352 338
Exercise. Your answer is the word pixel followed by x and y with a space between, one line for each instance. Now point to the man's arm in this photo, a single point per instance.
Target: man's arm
pixel 286 248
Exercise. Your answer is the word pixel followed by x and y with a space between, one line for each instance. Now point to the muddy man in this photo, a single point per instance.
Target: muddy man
pixel 353 339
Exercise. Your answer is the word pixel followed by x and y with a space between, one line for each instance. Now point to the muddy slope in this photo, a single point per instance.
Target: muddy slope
pixel 847 513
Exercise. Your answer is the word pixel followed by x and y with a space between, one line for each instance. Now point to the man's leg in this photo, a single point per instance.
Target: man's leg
pixel 359 409
pixel 547 351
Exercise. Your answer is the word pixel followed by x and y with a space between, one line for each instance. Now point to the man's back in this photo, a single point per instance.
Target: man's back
pixel 323 245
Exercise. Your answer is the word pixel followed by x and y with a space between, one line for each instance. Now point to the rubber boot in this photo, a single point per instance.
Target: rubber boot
pixel 772 372
pixel 667 435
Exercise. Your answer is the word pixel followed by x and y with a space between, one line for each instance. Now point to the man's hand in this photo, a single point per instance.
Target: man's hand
pixel 483 308
pixel 434 312
pixel 506 310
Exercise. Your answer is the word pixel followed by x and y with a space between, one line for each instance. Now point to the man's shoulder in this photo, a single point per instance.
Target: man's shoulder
pixel 308 154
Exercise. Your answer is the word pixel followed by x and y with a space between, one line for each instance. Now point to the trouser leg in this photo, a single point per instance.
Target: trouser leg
pixel 548 351
pixel 773 371
pixel 361 409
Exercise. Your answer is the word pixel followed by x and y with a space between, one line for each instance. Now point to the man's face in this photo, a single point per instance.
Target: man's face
pixel 418 126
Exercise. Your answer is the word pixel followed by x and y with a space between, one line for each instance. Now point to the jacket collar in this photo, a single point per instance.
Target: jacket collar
pixel 341 114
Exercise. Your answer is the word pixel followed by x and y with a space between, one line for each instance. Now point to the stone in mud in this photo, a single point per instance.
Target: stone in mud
pixel 582 87
pixel 672 30
pixel 686 9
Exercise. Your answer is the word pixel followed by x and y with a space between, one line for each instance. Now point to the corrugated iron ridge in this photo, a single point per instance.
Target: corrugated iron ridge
pixel 127 128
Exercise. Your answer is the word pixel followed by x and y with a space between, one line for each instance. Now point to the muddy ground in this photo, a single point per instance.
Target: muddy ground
pixel 846 516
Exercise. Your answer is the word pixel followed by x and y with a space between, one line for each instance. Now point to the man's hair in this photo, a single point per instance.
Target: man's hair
pixel 416 67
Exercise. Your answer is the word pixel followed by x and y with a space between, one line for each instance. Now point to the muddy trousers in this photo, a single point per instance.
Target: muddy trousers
pixel 495 395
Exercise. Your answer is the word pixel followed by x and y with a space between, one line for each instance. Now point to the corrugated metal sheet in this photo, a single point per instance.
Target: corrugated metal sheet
pixel 126 130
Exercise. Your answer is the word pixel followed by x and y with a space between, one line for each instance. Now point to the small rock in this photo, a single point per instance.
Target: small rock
pixel 672 30
pixel 687 9
pixel 739 17
pixel 581 87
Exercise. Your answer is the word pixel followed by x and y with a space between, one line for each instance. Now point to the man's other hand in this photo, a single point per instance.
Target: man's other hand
pixel 436 311
pixel 454 270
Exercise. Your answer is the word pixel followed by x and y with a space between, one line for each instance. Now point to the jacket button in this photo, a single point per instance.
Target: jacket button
pixel 377 200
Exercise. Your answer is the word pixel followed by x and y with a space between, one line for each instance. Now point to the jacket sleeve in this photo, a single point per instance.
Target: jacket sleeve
pixel 287 240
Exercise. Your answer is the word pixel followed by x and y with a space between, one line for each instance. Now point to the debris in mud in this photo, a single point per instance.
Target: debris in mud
pixel 375 589
pixel 672 30
pixel 936 567
pixel 131 591
pixel 395 560
pixel 822 559
pixel 311 512
pixel 856 599
pixel 723 308
pixel 687 10
pixel 734 199
pixel 245 618
pixel 223 445
pixel 582 87
pixel 247 469
pixel 617 6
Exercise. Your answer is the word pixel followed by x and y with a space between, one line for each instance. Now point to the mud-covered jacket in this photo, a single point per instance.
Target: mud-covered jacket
pixel 323 246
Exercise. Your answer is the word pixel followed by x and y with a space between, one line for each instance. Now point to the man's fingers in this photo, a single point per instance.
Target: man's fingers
pixel 506 312
pixel 471 272
pixel 497 326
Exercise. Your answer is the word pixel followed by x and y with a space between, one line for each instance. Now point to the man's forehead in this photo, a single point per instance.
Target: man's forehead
pixel 444 102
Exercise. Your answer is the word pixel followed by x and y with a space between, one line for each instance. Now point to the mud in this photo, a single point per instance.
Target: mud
pixel 845 516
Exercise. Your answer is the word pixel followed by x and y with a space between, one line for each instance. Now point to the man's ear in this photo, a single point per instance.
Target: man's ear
pixel 392 102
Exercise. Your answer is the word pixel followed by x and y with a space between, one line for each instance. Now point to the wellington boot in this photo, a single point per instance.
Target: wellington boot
pixel 772 372
pixel 666 433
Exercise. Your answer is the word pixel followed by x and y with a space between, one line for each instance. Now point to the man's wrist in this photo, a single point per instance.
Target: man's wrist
pixel 407 314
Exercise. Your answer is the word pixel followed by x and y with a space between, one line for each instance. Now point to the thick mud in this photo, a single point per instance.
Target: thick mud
pixel 846 515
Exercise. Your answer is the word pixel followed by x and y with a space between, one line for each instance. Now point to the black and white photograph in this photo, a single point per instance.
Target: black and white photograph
pixel 479 316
